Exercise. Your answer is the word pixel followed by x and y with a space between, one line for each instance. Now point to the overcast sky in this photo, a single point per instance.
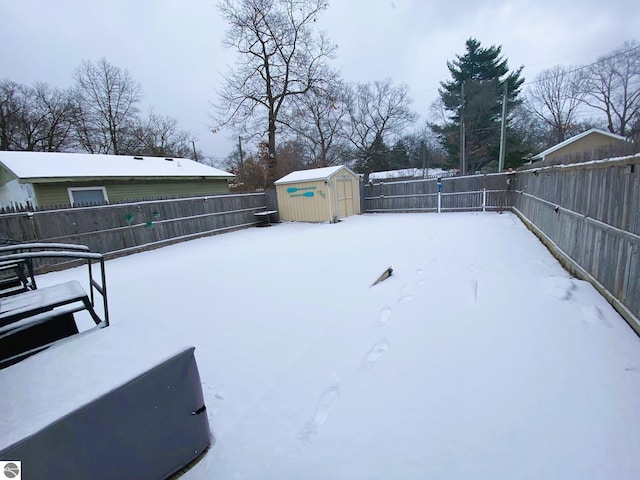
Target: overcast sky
pixel 173 47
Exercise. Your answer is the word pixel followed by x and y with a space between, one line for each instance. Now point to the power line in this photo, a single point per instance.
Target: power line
pixel 582 67
pixel 566 57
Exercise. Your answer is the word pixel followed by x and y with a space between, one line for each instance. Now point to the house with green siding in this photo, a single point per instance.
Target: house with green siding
pixel 49 179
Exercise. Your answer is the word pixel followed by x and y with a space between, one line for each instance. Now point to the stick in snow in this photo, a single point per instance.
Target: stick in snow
pixel 386 274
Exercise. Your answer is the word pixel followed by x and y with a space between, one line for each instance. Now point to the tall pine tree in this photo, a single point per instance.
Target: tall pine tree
pixel 473 96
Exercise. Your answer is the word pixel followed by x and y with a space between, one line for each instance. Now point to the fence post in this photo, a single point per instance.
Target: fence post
pixel 439 193
pixel 484 199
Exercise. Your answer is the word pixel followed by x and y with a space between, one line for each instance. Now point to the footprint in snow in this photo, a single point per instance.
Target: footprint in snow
pixel 561 288
pixel 385 315
pixel 569 291
pixel 326 401
pixel 405 299
pixel 592 314
pixel 374 353
pixel 419 272
pixel 209 390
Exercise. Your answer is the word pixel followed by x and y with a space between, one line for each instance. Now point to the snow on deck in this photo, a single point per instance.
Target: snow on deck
pixel 480 357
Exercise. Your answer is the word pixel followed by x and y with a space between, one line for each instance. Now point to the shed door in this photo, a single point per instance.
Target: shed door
pixel 345 197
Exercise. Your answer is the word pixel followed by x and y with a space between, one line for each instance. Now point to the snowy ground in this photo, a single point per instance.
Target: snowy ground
pixel 479 358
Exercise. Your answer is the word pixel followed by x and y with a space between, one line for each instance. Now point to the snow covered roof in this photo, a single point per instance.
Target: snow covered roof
pixel 575 138
pixel 47 166
pixel 311 174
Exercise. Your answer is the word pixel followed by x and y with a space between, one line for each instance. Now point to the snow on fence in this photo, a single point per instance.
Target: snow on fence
pixel 120 229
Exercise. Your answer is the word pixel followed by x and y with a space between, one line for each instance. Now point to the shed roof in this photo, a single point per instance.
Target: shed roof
pixel 311 174
pixel 47 165
pixel 575 138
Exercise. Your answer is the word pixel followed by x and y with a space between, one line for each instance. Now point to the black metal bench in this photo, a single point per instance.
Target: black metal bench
pixel 45 300
pixel 17 275
pixel 13 278
pixel 34 319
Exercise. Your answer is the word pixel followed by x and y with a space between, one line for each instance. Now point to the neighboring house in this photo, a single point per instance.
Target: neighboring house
pixel 593 144
pixel 46 179
pixel 319 194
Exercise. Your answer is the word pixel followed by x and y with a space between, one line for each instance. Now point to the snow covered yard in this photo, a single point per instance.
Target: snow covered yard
pixel 479 358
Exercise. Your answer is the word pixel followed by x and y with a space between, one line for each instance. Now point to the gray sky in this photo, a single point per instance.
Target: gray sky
pixel 173 47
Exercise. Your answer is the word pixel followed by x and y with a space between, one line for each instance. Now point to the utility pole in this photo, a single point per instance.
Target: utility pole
pixel 241 165
pixel 195 153
pixel 503 129
pixel 463 165
pixel 428 157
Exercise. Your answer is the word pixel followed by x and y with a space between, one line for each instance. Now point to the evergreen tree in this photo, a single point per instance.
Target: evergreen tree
pixel 399 156
pixel 375 158
pixel 473 97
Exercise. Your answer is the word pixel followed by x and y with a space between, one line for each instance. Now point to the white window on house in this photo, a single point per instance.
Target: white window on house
pixel 87 195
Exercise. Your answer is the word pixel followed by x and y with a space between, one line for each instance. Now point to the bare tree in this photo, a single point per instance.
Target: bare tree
pixel 57 106
pixel 10 111
pixel 376 110
pixel 423 149
pixel 613 86
pixel 160 136
pixel 555 98
pixel 280 56
pixel 99 115
pixel 250 170
pixel 317 119
pixel 47 120
pixel 106 105
pixel 438 114
pixel 34 118
pixel 531 129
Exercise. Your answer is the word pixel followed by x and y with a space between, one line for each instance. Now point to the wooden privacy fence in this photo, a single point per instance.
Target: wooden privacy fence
pixel 473 193
pixel 116 230
pixel 589 216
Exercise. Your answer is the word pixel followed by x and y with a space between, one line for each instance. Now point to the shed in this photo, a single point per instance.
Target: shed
pixel 319 195
pixel 45 179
